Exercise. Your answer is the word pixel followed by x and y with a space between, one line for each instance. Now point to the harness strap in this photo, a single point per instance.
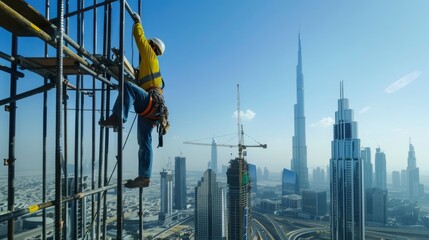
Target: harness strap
pixel 157 112
pixel 148 108
pixel 148 78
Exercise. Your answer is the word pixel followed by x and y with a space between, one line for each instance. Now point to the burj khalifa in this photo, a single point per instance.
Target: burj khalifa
pixel 299 147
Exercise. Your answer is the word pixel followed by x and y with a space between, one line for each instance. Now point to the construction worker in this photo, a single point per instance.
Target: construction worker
pixel 146 96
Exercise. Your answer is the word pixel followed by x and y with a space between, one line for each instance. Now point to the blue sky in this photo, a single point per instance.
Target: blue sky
pixel 378 48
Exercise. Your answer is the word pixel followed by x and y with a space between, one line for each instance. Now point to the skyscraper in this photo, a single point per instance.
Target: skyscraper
pixel 180 183
pixel 414 188
pixel 238 199
pixel 318 177
pixel 411 157
pixel 365 154
pixel 396 180
pixel 76 210
pixel 380 170
pixel 213 161
pixel 210 208
pixel 290 182
pixel 166 186
pixel 299 147
pixel 347 218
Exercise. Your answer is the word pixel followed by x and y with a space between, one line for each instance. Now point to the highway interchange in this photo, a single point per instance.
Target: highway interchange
pixel 268 226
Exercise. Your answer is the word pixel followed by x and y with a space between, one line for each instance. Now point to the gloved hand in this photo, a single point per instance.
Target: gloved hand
pixel 136 18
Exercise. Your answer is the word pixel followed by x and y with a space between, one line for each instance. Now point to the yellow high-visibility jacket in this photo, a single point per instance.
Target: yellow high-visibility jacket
pixel 149 73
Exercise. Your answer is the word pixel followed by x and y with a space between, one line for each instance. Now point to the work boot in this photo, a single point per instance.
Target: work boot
pixel 110 122
pixel 138 182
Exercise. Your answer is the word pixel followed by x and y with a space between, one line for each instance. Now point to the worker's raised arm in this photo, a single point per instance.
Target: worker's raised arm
pixel 143 45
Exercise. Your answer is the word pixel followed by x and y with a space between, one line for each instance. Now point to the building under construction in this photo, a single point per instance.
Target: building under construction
pixel 67 70
pixel 238 199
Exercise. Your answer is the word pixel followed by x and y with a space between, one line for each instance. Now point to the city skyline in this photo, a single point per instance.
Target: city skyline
pixel 380 56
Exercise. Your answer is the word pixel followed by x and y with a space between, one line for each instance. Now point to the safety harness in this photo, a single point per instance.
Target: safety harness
pixel 156 110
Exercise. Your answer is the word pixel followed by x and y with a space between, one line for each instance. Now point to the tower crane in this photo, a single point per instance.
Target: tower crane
pixel 241 146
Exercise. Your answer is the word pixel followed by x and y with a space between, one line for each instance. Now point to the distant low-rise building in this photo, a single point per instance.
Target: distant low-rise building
pixel 271 206
pixel 314 202
pixel 292 201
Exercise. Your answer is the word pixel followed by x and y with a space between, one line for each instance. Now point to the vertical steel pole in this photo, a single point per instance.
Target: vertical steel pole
pixel 141 213
pixel 12 131
pixel 140 189
pixel 65 190
pixel 107 44
pixel 100 162
pixel 101 137
pixel 65 183
pixel 94 51
pixel 45 130
pixel 120 130
pixel 82 218
pixel 58 130
pixel 76 135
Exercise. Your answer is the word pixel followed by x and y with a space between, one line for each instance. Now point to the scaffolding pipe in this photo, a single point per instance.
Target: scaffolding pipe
pixel 7 57
pixel 106 48
pixel 120 130
pixel 44 137
pixel 15 98
pixel 100 160
pixel 12 131
pixel 66 190
pixel 65 182
pixel 9 70
pixel 94 210
pixel 140 189
pixel 140 213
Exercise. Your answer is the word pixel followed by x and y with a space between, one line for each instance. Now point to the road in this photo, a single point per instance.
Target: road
pixel 296 234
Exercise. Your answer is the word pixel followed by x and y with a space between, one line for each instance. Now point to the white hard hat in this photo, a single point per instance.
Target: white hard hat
pixel 159 44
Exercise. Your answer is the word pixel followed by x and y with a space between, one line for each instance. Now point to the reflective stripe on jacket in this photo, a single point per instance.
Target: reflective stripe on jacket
pixel 149 65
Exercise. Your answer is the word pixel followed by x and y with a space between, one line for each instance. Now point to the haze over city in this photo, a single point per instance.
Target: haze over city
pixel 378 48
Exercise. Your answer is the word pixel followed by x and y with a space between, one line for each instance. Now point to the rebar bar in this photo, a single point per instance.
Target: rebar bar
pixel 58 122
pixel 94 210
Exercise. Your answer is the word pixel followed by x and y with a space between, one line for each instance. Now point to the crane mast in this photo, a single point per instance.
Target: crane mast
pixel 240 133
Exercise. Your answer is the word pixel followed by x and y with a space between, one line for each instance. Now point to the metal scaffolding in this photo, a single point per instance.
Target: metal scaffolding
pixel 72 62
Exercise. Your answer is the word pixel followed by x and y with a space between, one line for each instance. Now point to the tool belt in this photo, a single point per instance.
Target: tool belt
pixel 157 112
